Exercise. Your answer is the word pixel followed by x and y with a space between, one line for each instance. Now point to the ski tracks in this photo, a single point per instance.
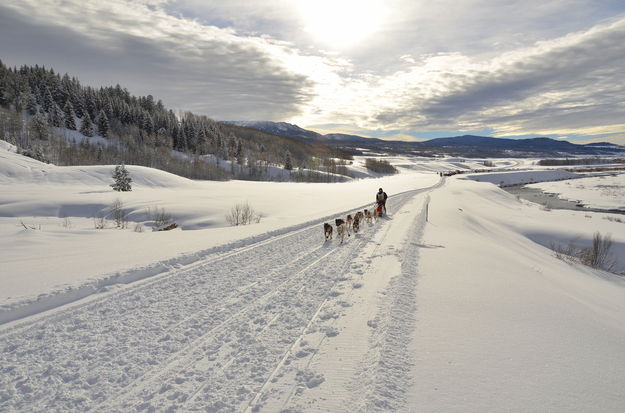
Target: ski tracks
pixel 218 335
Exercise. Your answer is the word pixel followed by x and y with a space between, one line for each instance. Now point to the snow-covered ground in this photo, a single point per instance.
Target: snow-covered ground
pixel 524 176
pixel 605 192
pixel 504 326
pixel 453 302
pixel 65 252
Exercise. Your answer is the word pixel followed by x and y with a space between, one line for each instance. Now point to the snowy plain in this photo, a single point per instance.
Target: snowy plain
pixel 453 302
pixel 605 192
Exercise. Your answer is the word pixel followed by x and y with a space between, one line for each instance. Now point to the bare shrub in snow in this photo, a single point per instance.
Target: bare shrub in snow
pixel 67 223
pixel 138 227
pixel 30 226
pixel 242 214
pixel 597 255
pixel 99 221
pixel 119 214
pixel 160 217
pixel 568 252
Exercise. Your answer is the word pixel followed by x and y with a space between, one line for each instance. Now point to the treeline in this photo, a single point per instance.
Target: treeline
pixel 48 116
pixel 380 166
pixel 580 161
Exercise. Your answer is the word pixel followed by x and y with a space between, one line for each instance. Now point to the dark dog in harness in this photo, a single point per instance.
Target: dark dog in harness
pixel 327 231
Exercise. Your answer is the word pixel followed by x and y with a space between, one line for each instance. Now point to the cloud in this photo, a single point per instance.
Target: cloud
pixel 540 67
pixel 569 83
pixel 191 66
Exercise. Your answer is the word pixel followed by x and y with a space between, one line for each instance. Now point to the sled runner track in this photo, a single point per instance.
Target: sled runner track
pixel 203 336
pixel 174 361
pixel 254 402
pixel 206 381
pixel 71 305
pixel 172 271
pixel 260 393
pixel 389 366
pixel 205 376
pixel 348 295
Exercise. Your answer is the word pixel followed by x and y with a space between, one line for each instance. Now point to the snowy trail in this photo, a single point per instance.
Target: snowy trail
pixel 247 330
pixel 363 364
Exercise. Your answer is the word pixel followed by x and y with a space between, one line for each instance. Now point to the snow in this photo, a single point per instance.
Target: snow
pixel 604 192
pixel 503 326
pixel 42 196
pixel 525 176
pixel 452 302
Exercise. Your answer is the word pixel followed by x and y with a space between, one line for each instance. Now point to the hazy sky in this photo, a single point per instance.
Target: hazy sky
pixel 395 68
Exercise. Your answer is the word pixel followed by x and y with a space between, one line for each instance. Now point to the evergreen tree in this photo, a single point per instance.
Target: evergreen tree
pixel 90 106
pixel 79 106
pixel 39 127
pixel 147 122
pixel 86 128
pixel 31 104
pixel 56 117
pixel 222 152
pixel 124 113
pixel 48 101
pixel 288 163
pixel 70 115
pixel 108 109
pixel 103 123
pixel 239 153
pixel 4 100
pixel 122 179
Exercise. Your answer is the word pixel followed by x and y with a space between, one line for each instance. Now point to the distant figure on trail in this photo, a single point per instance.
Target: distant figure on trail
pixel 380 199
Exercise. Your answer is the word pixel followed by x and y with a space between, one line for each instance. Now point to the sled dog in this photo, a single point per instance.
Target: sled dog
pixel 368 216
pixel 350 222
pixel 327 231
pixel 341 229
pixel 356 224
pixel 376 214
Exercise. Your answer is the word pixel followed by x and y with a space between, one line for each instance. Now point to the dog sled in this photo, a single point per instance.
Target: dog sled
pixel 379 209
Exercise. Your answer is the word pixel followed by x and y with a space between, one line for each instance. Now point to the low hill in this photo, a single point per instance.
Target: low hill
pixel 55 118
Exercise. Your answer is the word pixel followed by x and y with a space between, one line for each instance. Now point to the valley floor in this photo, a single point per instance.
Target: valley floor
pixel 436 307
pixel 288 323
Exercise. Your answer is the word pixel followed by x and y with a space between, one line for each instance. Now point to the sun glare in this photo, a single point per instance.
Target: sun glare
pixel 341 23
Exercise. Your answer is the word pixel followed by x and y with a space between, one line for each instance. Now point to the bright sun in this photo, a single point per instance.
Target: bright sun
pixel 341 23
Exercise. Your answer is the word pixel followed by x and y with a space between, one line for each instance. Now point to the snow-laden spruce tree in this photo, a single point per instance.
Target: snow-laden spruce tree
pixel 86 128
pixel 70 115
pixel 288 163
pixel 103 123
pixel 122 179
pixel 39 127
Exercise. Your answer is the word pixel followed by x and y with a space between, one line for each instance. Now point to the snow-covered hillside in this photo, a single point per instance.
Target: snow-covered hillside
pixel 452 302
pixel 65 250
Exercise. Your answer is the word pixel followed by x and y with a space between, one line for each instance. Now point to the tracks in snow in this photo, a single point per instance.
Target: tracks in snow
pixel 210 336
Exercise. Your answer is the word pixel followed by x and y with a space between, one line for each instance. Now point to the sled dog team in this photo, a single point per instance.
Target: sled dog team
pixel 351 224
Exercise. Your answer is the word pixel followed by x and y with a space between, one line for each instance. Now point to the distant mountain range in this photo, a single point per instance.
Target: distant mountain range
pixel 466 145
pixel 294 131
